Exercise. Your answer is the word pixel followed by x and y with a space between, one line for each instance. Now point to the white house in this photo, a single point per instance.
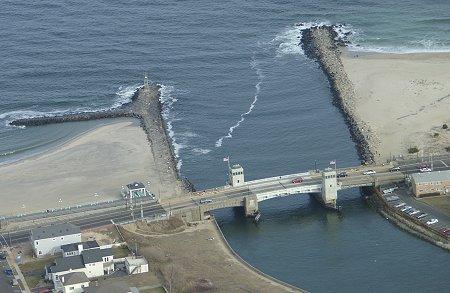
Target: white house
pixel 136 265
pixel 49 239
pixel 93 263
pixel 72 283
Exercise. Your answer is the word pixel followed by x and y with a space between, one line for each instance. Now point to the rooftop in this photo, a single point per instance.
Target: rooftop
pixel 96 255
pixel 67 264
pixel 431 176
pixel 74 246
pixel 138 261
pixel 135 185
pixel 73 278
pixel 64 264
pixel 54 231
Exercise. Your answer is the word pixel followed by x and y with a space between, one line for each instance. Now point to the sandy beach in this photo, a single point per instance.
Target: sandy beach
pixel 89 168
pixel 403 98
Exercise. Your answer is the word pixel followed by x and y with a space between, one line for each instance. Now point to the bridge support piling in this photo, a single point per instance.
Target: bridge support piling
pixel 329 189
pixel 251 206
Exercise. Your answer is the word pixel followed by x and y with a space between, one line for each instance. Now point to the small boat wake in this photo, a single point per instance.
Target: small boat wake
pixel 254 65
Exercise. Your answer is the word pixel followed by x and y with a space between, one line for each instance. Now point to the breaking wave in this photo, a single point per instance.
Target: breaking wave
pixel 167 101
pixel 201 151
pixel 260 75
pixel 123 96
pixel 288 42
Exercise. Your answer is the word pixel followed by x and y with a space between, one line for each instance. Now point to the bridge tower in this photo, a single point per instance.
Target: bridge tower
pixel 236 175
pixel 329 188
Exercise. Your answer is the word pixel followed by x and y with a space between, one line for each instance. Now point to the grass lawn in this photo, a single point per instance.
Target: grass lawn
pixel 121 251
pixel 37 265
pixel 32 281
pixel 441 203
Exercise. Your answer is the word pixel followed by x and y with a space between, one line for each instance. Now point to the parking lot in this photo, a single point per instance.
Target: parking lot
pixel 400 198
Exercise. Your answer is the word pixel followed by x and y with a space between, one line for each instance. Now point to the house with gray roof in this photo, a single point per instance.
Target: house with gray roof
pixel 76 248
pixel 75 282
pixel 49 239
pixel 93 263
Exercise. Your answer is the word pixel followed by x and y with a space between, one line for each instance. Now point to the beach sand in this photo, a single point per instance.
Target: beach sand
pixel 404 98
pixel 100 161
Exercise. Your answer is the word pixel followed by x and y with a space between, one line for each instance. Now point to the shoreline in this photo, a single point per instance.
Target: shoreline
pixel 63 142
pixel 211 258
pixel 375 199
pixel 244 263
pixel 146 106
pixel 319 44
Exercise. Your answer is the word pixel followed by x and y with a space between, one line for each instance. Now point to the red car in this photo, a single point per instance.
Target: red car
pixel 297 180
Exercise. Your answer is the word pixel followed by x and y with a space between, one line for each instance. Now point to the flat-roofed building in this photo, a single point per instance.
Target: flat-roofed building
pixel 48 240
pixel 136 265
pixel 431 183
pixel 134 190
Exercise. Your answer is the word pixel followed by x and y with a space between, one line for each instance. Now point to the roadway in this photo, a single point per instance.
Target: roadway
pixel 93 220
pixel 355 176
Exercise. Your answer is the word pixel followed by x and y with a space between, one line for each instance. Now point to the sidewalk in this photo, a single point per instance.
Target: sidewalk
pixel 17 272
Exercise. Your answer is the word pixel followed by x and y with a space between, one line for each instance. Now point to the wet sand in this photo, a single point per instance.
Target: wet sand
pixel 98 162
pixel 404 98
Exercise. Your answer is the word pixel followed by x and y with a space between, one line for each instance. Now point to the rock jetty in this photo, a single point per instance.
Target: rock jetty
pixel 146 106
pixel 322 44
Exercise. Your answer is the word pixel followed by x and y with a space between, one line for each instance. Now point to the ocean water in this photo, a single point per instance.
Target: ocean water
pixel 234 83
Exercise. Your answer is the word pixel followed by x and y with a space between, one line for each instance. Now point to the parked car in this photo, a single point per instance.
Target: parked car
pixel 342 174
pixel 205 200
pixel 432 221
pixel 406 208
pixel 425 169
pixel 400 205
pixel 415 212
pixel 392 198
pixel 422 215
pixel 8 272
pixel 14 282
pixel 2 255
pixel 369 172
pixel 297 180
pixel 394 169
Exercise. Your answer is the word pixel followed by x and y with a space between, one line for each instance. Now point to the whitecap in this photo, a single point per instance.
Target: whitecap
pixel 201 151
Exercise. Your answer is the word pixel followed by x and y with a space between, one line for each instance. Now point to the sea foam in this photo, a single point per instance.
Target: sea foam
pixel 167 99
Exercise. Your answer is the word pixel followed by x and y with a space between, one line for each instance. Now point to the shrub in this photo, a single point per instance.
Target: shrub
pixel 447 149
pixel 445 126
pixel 413 150
pixel 435 134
